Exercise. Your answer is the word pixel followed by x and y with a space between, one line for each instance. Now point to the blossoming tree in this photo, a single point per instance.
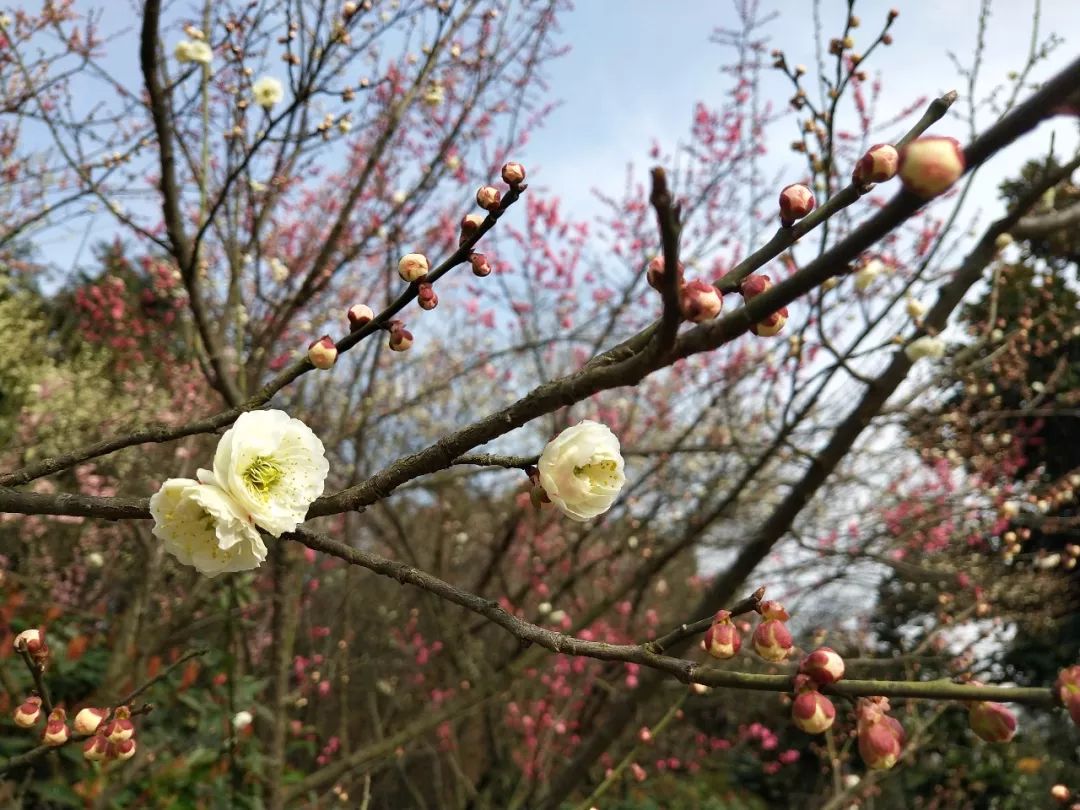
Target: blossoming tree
pixel 374 504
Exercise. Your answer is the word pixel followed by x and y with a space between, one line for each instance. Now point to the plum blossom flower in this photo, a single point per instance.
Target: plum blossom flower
pixel 581 470
pixel 925 346
pixel 203 526
pixel 188 50
pixel 267 91
pixel 274 466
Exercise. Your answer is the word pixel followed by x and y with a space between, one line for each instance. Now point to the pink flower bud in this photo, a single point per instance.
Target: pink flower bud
pixel 638 772
pixel 772 640
pixel 645 736
pixel 722 639
pixel 124 749
pixel 120 728
pixel 878 165
pixel 513 173
pixel 881 737
pixel 28 712
pixel 401 339
pixel 796 201
pixel 360 315
pixel 56 729
pixel 655 272
pixel 1067 688
pixel 811 711
pixel 322 353
pixel 992 722
pixel 928 166
pixel 426 297
pixel 33 641
pixel 488 198
pixel 96 748
pixel 480 266
pixel 824 665
pixel 470 224
pixel 700 301
pixel 772 325
pixel 753 286
pixel 413 266
pixel 88 720
pixel 1060 793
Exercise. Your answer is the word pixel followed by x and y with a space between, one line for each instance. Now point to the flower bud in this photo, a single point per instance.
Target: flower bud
pixel 513 173
pixel 360 315
pixel 120 728
pixel 28 712
pixel 488 198
pixel 96 748
pixel 754 286
pixel 878 165
pixel 811 711
pixel 401 339
pixel 1003 240
pixel 122 750
pixel 56 729
pixel 88 720
pixel 772 640
pixel 654 274
pixel 645 736
pixel 915 308
pixel 426 297
pixel 348 9
pixel 33 641
pixel 700 301
pixel 470 223
pixel 925 346
pixel 928 166
pixel 1060 793
pixel 992 722
pixel 796 201
pixel 322 353
pixel 480 266
pixel 1067 688
pixel 413 266
pixel 868 273
pixel 824 665
pixel 881 737
pixel 772 325
pixel 722 639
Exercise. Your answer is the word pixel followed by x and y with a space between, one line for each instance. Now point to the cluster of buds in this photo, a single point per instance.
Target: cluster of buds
pixel 1067 689
pixel 722 639
pixel 811 711
pixel 754 286
pixel 930 165
pixel 881 737
pixel 880 163
pixel 32 642
pixel 401 339
pixel 56 731
pixel 772 640
pixel 699 301
pixel 112 739
pixel 796 201
pixel 323 352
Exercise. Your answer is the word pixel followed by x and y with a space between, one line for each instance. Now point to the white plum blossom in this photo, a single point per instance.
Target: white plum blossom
pixel 279 272
pixel 869 272
pixel 274 466
pixel 925 346
pixel 242 720
pixel 267 91
pixel 193 51
pixel 581 470
pixel 202 526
